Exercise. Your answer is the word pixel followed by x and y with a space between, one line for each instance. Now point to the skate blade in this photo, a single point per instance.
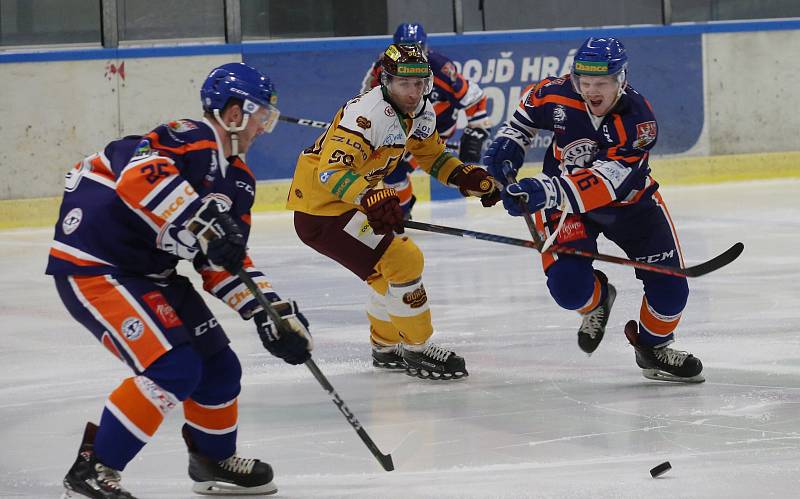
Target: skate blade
pixel 425 374
pixel 658 375
pixel 214 488
pixel 389 366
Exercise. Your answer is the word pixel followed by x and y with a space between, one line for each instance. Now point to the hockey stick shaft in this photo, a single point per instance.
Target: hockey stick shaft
pixel 324 124
pixel 511 178
pixel 695 271
pixel 385 460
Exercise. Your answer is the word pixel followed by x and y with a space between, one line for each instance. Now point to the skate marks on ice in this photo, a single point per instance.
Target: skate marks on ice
pixel 535 418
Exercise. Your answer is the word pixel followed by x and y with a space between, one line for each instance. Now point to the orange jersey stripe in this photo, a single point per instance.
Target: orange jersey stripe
pixel 100 168
pixel 441 107
pixel 194 146
pixel 478 106
pixel 559 99
pixel 593 193
pixel 73 259
pixel 238 163
pixel 212 418
pixel 115 309
pixel 449 88
pixel 654 324
pixel 136 407
pixel 663 205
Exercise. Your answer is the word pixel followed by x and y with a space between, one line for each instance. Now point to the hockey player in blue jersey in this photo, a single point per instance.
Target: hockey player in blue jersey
pixel 596 180
pixel 129 213
pixel 451 95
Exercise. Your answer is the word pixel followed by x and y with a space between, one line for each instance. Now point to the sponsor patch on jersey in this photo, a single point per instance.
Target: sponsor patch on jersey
pixel 72 220
pixel 182 126
pixel 580 153
pixel 450 70
pixel 559 114
pixel 163 310
pixel 572 230
pixel 388 111
pixel 298 193
pixel 363 122
pixel 325 176
pixel 132 328
pixel 645 134
pixel 416 298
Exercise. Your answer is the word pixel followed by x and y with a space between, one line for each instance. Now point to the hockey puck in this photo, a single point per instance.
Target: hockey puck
pixel 660 469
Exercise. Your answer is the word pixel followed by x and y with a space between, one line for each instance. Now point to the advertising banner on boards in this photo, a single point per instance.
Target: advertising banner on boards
pixel 315 78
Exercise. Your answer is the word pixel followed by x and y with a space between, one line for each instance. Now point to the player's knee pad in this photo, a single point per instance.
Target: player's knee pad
pixel 178 371
pixel 571 283
pixel 221 379
pixel 401 262
pixel 666 294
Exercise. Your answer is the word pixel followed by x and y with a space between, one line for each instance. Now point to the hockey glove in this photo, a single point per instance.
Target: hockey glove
pixel 472 180
pixel 537 193
pixel 501 150
pixel 472 145
pixel 384 214
pixel 220 237
pixel 293 342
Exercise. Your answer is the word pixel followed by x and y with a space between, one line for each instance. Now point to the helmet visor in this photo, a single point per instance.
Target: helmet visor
pixel 406 85
pixel 267 115
pixel 584 84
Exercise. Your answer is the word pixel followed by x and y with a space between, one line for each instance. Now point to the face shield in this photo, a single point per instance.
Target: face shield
pixel 584 83
pixel 267 115
pixel 407 85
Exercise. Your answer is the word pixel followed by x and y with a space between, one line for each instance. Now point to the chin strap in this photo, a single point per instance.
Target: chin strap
pixel 232 129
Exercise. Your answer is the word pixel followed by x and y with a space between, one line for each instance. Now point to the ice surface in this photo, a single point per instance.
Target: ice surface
pixel 535 418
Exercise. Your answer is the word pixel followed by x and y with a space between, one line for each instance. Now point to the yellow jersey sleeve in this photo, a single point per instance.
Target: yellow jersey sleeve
pixel 432 157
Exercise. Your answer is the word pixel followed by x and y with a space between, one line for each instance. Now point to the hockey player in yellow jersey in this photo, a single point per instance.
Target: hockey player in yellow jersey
pixel 342 211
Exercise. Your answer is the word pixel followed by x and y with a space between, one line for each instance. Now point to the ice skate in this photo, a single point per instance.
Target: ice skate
pixel 664 363
pixel 233 476
pixel 594 323
pixel 430 361
pixel 88 477
pixel 388 357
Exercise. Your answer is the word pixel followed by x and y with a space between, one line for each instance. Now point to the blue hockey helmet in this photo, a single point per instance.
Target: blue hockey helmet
pixel 411 33
pixel 600 57
pixel 237 80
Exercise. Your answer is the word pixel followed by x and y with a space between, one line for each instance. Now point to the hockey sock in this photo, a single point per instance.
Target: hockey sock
pixel 212 411
pixel 656 329
pixel 132 414
pixel 382 331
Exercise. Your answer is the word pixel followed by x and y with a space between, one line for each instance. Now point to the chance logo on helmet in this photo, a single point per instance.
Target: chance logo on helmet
pixel 600 57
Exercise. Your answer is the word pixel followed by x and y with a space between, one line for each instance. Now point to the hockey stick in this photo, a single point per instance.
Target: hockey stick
pixel 511 178
pixel 704 268
pixel 324 124
pixel 384 459
pixel 304 121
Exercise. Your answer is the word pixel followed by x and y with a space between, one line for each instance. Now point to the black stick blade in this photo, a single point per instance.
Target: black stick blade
pixel 715 263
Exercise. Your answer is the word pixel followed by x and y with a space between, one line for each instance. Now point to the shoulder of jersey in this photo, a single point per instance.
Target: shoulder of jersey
pixel 442 67
pixel 554 85
pixel 637 102
pixel 184 131
pixel 369 115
